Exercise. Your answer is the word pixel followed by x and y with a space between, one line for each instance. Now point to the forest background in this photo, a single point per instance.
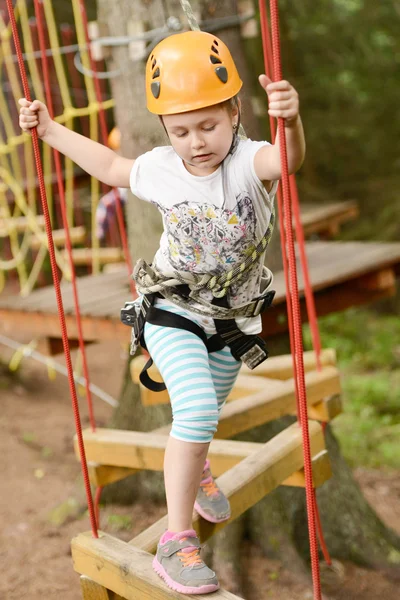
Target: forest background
pixel 343 57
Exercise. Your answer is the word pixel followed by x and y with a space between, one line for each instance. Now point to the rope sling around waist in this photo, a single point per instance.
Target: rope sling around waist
pixel 183 290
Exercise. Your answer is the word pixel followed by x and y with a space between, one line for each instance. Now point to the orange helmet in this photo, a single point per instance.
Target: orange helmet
pixel 188 71
pixel 114 139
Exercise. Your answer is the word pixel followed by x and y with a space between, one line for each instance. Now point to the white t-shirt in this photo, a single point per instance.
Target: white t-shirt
pixel 210 223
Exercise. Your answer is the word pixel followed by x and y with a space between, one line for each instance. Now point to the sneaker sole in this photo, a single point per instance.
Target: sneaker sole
pixel 184 589
pixel 208 517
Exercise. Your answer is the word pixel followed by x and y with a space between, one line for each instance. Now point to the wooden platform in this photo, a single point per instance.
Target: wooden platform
pixel 325 220
pixel 342 274
pixel 125 568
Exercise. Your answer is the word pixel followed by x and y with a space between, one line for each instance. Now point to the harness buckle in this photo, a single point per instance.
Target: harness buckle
pixel 263 303
pixel 131 314
pixel 254 356
pixel 250 349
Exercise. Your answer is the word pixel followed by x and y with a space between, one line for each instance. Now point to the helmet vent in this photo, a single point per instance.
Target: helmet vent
pixel 215 60
pixel 153 64
pixel 222 74
pixel 156 73
pixel 214 49
pixel 215 42
pixel 155 89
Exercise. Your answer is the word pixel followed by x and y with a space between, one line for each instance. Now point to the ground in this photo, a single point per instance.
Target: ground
pixel 39 472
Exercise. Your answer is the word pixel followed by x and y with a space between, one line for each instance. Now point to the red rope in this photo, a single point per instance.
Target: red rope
pixel 104 135
pixel 297 323
pixel 61 191
pixel 310 301
pixel 60 307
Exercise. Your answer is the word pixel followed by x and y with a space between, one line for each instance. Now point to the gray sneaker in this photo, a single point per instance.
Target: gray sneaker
pixel 210 502
pixel 178 562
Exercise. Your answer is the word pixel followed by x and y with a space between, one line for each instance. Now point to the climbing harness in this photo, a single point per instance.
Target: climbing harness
pixel 184 291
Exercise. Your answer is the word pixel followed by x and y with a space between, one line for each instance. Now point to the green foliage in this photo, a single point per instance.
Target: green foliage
pixel 343 56
pixel 119 522
pixel 368 349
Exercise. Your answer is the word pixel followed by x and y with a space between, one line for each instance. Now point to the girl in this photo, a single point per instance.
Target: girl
pixel 215 193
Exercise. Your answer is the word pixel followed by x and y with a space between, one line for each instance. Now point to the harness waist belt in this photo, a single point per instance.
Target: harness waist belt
pixel 250 349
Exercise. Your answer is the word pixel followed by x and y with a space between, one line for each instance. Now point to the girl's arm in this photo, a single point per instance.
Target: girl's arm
pixel 283 102
pixel 94 158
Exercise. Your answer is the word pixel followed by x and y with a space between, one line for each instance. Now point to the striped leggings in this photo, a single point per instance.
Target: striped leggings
pixel 198 383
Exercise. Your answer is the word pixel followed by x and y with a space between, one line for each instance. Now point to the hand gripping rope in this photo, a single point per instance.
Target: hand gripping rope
pixel 53 263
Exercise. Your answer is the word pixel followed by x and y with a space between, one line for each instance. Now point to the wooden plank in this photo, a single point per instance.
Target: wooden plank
pixel 354 268
pixel 77 236
pixel 124 569
pixel 243 385
pixel 281 367
pixel 92 590
pixel 247 384
pixel 266 406
pixel 145 450
pixel 102 475
pixel 325 220
pixel 321 472
pixel 260 408
pixel 278 367
pixel 249 481
pixel 85 256
pixel 18 224
pixel 327 409
pixel 45 324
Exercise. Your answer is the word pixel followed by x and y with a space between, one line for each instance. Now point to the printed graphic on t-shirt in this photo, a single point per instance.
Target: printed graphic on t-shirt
pixel 206 239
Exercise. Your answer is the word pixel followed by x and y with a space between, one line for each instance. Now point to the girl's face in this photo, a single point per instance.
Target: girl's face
pixel 202 138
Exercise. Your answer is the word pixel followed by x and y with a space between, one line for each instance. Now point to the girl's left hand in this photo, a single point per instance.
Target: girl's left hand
pixel 283 100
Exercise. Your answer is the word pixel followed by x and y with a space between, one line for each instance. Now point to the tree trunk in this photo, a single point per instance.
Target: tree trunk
pixel 278 523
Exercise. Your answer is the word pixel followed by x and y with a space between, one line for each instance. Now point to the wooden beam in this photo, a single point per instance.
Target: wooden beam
pixel 281 367
pixel 321 472
pixel 247 384
pixel 243 385
pixel 85 256
pixel 327 409
pixel 141 450
pixel 18 224
pixel 277 367
pixel 102 475
pixel 92 590
pixel 249 481
pixel 124 569
pixel 267 405
pixel 77 235
pixel 47 324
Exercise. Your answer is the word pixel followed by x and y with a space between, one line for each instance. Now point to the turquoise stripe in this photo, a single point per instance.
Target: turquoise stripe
pixel 182 358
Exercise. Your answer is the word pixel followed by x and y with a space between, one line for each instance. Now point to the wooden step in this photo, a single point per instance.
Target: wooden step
pixel 18 224
pixel 77 235
pixel 85 256
pixel 277 367
pixel 249 481
pixel 101 475
pixel 114 454
pixel 140 450
pixel 125 570
pixel 281 367
pixel 256 409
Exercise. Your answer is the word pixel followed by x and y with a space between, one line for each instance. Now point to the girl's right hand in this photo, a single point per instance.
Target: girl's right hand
pixel 34 114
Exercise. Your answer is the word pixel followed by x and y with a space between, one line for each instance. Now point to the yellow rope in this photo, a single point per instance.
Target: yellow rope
pixel 22 183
